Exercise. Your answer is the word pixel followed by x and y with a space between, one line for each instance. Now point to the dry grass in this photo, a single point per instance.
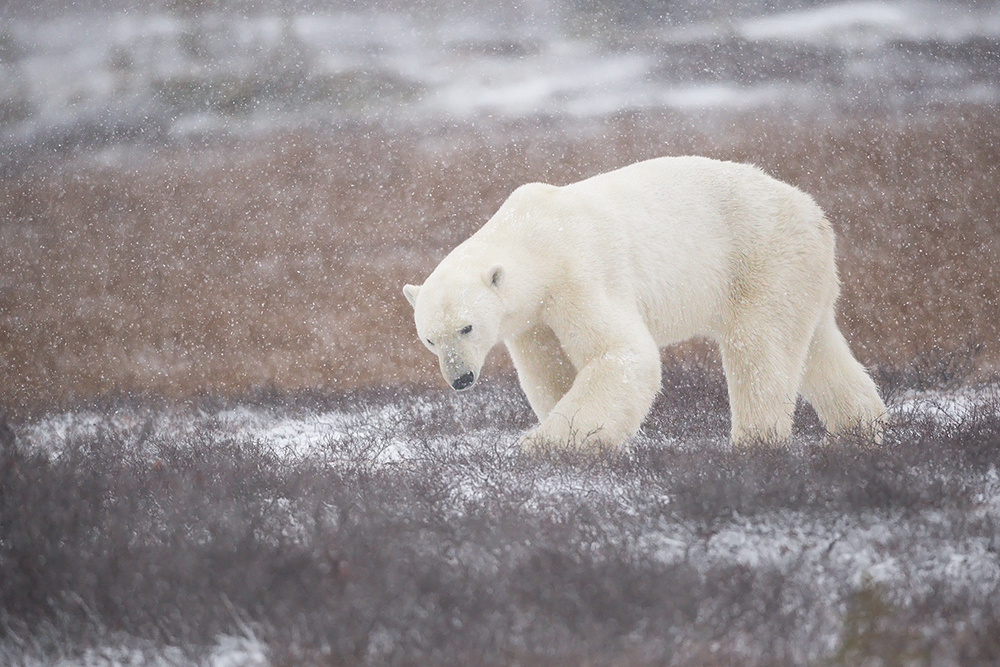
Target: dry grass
pixel 280 262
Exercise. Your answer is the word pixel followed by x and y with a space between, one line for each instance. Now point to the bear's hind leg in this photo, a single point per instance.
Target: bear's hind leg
pixel 838 386
pixel 762 377
pixel 544 371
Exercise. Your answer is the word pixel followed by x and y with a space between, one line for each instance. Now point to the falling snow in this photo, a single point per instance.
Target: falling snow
pixel 207 209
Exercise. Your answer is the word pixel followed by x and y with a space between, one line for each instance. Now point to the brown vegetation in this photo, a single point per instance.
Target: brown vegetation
pixel 280 261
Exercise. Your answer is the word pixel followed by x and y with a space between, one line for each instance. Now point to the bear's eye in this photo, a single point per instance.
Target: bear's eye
pixel 467 329
pixel 430 342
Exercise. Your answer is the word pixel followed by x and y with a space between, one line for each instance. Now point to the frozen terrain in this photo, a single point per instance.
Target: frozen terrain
pixel 816 552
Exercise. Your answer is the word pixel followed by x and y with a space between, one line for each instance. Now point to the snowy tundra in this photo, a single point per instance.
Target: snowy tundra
pixel 585 283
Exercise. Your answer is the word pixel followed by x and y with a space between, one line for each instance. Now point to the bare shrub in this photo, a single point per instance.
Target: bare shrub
pixel 162 537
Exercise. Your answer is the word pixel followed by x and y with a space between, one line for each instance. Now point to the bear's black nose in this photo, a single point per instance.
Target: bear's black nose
pixel 464 382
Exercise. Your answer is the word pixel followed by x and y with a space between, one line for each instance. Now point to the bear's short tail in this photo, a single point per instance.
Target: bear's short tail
pixel 838 386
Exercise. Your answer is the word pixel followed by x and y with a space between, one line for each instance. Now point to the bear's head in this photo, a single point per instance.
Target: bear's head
pixel 458 318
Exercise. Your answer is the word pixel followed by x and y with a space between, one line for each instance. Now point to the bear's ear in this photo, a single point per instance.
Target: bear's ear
pixel 494 276
pixel 410 292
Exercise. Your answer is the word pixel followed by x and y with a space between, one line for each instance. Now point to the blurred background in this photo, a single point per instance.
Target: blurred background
pixel 102 72
pixel 215 196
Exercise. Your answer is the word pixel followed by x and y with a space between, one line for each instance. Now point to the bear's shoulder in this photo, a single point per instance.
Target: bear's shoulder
pixel 533 193
pixel 527 204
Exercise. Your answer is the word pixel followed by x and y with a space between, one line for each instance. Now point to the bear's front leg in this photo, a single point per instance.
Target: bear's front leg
pixel 544 371
pixel 609 399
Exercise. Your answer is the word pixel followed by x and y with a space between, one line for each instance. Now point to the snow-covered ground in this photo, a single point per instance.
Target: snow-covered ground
pixel 908 556
pixel 86 78
pixel 295 433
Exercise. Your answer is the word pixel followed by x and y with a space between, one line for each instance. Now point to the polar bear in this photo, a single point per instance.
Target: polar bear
pixel 585 283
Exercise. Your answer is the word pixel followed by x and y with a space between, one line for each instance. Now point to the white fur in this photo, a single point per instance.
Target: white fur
pixel 585 283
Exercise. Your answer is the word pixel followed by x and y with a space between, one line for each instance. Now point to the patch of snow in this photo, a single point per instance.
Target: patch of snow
pixel 731 96
pixel 869 24
pixel 946 406
pixel 227 652
pixel 846 22
pixel 238 652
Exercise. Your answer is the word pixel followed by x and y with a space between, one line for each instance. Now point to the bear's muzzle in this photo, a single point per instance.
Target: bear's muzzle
pixel 464 382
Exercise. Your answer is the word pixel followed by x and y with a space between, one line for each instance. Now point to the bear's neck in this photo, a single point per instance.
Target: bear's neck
pixel 523 297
